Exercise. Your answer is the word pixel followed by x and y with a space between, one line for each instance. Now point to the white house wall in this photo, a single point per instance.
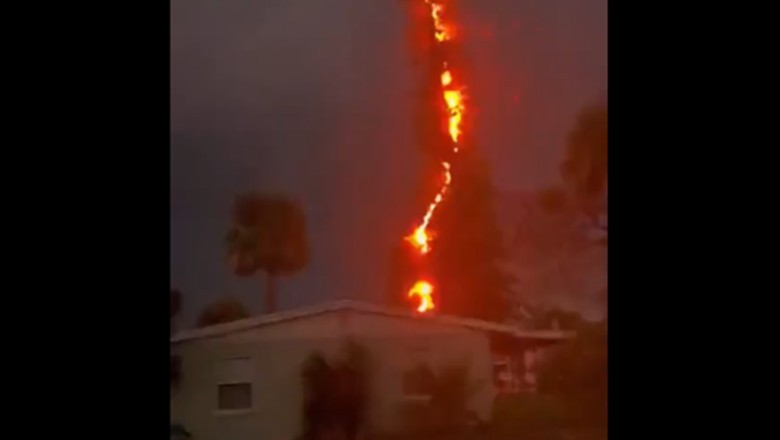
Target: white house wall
pixel 279 350
pixel 397 344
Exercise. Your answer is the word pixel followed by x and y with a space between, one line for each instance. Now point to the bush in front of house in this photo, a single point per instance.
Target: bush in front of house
pixel 446 413
pixel 335 395
pixel 576 374
pixel 524 413
pixel 572 398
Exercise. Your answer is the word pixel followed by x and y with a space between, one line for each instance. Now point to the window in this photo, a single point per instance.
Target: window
pixel 234 396
pixel 234 384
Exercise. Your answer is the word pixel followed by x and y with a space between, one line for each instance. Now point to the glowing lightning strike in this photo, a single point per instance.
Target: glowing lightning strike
pixel 442 32
pixel 453 98
pixel 420 237
pixel 424 290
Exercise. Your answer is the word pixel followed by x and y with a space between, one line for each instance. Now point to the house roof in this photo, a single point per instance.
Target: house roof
pixel 367 308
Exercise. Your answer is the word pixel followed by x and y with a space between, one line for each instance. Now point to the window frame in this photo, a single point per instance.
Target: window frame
pixel 218 382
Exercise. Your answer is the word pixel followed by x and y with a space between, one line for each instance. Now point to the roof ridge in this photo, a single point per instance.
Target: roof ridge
pixel 355 305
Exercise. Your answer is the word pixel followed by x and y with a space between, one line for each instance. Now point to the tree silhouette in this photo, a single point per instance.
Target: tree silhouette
pixel 221 311
pixel 469 254
pixel 268 235
pixel 576 373
pixel 584 168
pixel 335 394
pixel 567 242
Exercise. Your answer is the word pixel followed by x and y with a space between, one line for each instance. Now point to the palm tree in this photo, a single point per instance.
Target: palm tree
pixel 268 235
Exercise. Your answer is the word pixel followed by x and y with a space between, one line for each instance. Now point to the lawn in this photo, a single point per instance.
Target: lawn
pixel 529 417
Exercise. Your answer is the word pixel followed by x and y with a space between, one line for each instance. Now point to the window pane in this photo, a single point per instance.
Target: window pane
pixel 235 396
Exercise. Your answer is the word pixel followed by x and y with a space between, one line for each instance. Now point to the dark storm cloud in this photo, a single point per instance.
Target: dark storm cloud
pixel 537 62
pixel 292 96
pixel 315 98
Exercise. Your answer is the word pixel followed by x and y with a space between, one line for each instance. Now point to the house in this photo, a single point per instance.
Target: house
pixel 242 380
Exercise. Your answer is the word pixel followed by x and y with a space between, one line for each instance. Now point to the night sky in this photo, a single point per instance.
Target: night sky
pixel 316 99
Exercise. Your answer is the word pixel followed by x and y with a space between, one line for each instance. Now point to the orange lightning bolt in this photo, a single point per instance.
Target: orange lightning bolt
pixel 453 98
pixel 424 291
